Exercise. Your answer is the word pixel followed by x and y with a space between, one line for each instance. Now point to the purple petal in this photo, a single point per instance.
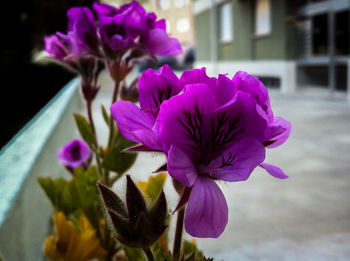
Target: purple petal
pixel 160 24
pixel 74 154
pixel 278 132
pixel 82 34
pixel 157 41
pixel 238 162
pixel 207 212
pixel 181 167
pixel 103 9
pixel 196 76
pixel 133 17
pixel 81 18
pixel 135 124
pixel 179 116
pixel 274 171
pixel 55 47
pixel 224 90
pixel 252 85
pixel 156 87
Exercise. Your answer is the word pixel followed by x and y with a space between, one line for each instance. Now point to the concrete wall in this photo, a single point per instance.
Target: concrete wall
pixel 280 44
pixel 241 46
pixel 202 35
pixel 24 208
pixel 273 45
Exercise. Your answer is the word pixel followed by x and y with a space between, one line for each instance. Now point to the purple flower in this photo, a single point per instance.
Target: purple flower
pixel 114 36
pixel 136 123
pixel 74 154
pixel 211 129
pixel 133 21
pixel 208 139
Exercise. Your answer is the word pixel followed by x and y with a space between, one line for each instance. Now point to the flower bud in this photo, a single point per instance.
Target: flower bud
pixel 140 227
pixel 130 93
pixel 75 154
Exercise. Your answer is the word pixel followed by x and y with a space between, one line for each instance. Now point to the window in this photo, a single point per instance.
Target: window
pixel 163 4
pixel 226 23
pixel 262 17
pixel 182 25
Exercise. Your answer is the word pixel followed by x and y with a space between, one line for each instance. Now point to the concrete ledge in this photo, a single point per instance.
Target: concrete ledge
pixel 24 209
pixel 285 70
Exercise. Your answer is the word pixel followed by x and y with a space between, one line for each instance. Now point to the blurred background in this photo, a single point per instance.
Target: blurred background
pixel 290 45
pixel 300 50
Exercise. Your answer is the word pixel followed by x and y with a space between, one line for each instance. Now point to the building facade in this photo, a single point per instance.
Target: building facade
pixel 288 43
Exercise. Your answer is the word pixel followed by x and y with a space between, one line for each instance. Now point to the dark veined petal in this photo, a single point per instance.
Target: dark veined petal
pixel 156 87
pixel 135 124
pixel 180 118
pixel 274 171
pixel 207 212
pixel 277 132
pixel 230 123
pixel 181 167
pixel 157 41
pixel 238 162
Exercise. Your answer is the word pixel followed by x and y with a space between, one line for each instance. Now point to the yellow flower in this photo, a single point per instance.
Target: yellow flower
pixel 71 243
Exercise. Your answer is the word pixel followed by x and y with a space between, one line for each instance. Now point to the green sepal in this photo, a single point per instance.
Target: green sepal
pixel 112 201
pixel 135 201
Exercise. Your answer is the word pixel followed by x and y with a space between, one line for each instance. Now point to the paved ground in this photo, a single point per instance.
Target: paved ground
pixel 306 217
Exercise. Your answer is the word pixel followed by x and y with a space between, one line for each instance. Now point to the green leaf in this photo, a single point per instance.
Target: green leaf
pixel 105 115
pixel 119 161
pixel 54 190
pixel 152 187
pixel 78 194
pixel 85 130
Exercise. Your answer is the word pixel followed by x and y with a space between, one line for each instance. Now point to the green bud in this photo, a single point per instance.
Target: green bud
pixel 136 227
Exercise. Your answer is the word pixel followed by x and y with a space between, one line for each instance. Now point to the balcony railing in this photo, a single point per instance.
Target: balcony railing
pixel 24 209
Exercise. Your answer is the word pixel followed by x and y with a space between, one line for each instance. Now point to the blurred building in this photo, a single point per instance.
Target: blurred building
pixel 288 43
pixel 178 15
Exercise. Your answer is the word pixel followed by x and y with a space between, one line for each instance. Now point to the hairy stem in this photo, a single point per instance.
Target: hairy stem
pixel 149 254
pixel 178 234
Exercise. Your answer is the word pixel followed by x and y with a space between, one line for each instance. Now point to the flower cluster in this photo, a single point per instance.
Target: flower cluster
pixel 118 30
pixel 211 129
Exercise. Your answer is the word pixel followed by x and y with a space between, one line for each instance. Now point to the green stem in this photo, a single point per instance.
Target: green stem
pixel 92 124
pixel 149 254
pixel 178 234
pixel 116 91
